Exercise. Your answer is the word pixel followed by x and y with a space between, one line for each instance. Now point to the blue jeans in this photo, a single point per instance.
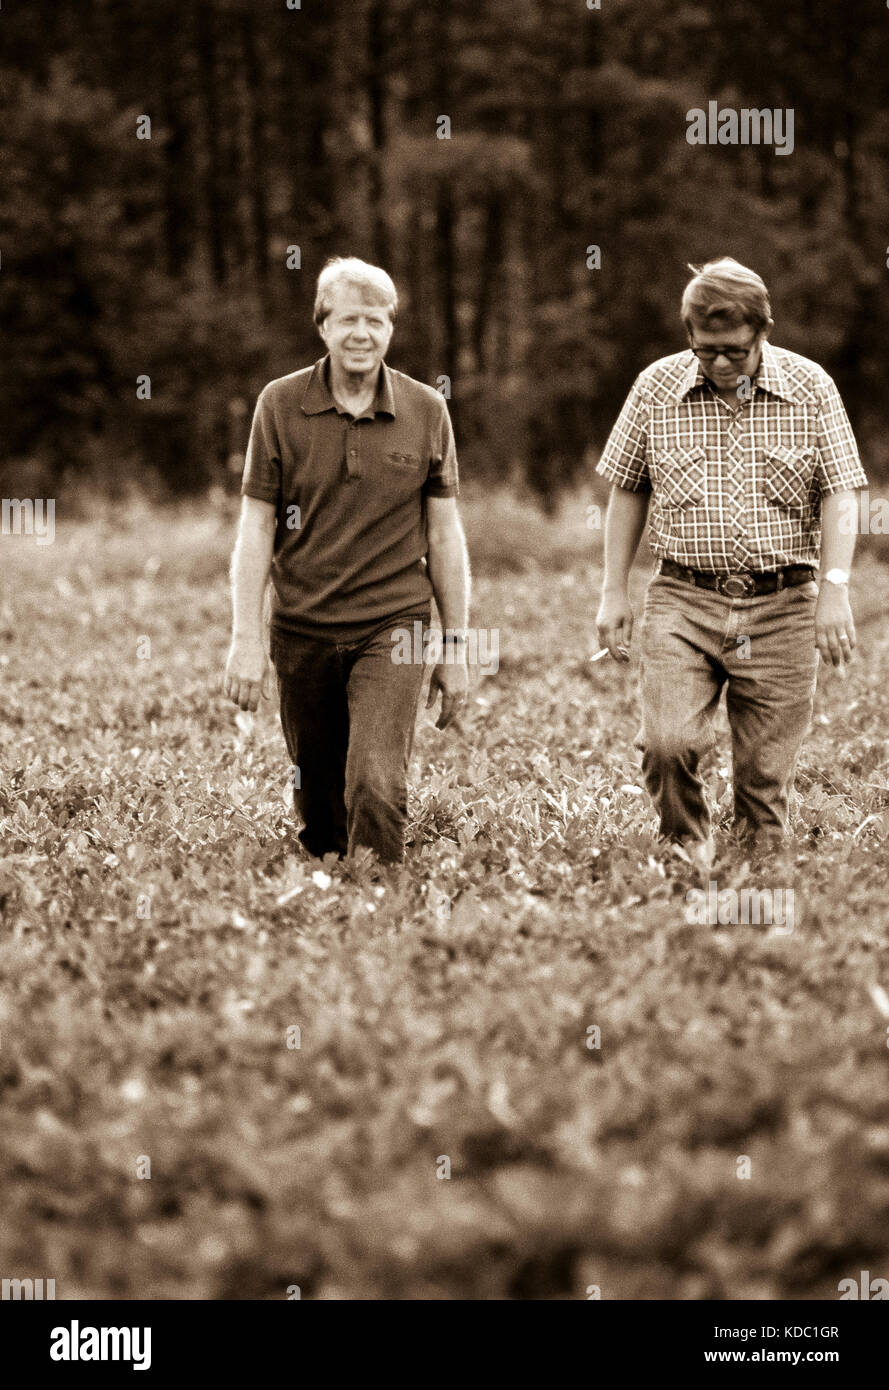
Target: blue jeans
pixel 348 713
pixel 694 642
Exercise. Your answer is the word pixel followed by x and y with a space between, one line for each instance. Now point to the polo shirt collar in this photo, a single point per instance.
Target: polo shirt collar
pixel 768 378
pixel 318 396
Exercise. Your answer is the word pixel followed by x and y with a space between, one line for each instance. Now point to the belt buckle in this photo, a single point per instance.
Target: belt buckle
pixel 736 585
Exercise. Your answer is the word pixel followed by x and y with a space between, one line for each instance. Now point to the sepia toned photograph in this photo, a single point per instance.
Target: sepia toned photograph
pixel 444 667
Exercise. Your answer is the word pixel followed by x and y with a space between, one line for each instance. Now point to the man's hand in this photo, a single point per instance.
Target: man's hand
pixel 247 672
pixel 452 679
pixel 614 624
pixel 834 625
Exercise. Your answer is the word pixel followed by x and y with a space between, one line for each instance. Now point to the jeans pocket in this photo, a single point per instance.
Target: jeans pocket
pixel 808 591
pixel 287 652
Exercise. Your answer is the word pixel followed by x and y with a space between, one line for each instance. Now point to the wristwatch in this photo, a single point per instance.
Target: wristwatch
pixel 837 577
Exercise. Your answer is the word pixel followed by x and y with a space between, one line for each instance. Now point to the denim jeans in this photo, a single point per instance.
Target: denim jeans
pixel 348 713
pixel 762 649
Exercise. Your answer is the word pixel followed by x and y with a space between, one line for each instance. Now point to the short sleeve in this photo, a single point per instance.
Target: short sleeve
pixel 262 466
pixel 839 465
pixel 442 479
pixel 624 459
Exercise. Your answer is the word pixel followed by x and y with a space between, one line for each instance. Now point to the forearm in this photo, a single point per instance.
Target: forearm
pixel 624 525
pixel 837 536
pixel 250 567
pixel 448 564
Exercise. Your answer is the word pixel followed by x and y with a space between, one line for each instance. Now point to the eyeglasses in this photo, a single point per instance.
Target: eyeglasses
pixel 734 354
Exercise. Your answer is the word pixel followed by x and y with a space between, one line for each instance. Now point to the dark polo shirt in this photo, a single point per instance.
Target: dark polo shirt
pixel 351 542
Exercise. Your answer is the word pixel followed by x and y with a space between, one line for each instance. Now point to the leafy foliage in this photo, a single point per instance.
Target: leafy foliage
pixel 444 1009
pixel 318 128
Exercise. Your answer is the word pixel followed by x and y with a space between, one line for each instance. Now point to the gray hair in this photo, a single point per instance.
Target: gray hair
pixel 349 270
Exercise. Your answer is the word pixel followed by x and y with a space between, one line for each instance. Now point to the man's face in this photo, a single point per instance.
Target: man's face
pixel 745 341
pixel 356 331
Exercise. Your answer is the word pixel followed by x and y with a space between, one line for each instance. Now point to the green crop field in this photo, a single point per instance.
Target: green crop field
pixel 514 1068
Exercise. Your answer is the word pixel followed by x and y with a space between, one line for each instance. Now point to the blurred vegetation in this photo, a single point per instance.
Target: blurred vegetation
pixel 158 937
pixel 318 128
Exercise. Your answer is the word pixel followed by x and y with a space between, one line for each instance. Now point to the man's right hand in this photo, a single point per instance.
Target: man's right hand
pixel 247 672
pixel 614 624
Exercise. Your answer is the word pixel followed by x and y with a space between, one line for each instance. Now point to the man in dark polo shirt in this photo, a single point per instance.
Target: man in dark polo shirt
pixel 349 499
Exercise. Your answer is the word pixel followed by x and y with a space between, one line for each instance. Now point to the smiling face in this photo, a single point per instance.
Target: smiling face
pixel 356 330
pixel 745 344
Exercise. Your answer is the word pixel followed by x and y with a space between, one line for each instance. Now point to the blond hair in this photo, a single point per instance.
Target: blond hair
pixel 349 270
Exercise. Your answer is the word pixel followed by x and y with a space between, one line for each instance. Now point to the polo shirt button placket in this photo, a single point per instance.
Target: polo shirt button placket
pixel 352 464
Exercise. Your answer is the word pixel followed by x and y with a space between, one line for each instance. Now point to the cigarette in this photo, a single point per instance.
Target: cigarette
pixel 597 656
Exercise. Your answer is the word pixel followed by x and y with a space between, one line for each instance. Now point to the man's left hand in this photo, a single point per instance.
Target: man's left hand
pixel 452 679
pixel 834 625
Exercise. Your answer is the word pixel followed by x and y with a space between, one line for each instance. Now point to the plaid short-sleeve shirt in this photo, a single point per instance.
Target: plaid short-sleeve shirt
pixel 734 490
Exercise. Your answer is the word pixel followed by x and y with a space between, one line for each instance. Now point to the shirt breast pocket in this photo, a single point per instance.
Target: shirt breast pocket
pixel 680 477
pixel 787 479
pixel 397 470
pixel 410 462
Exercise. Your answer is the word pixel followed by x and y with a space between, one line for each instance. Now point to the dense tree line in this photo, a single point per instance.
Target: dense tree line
pixel 325 128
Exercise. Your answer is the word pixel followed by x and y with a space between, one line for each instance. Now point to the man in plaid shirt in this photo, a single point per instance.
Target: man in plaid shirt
pixel 748 458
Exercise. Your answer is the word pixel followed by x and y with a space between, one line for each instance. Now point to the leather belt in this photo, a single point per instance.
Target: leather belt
pixel 743 584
